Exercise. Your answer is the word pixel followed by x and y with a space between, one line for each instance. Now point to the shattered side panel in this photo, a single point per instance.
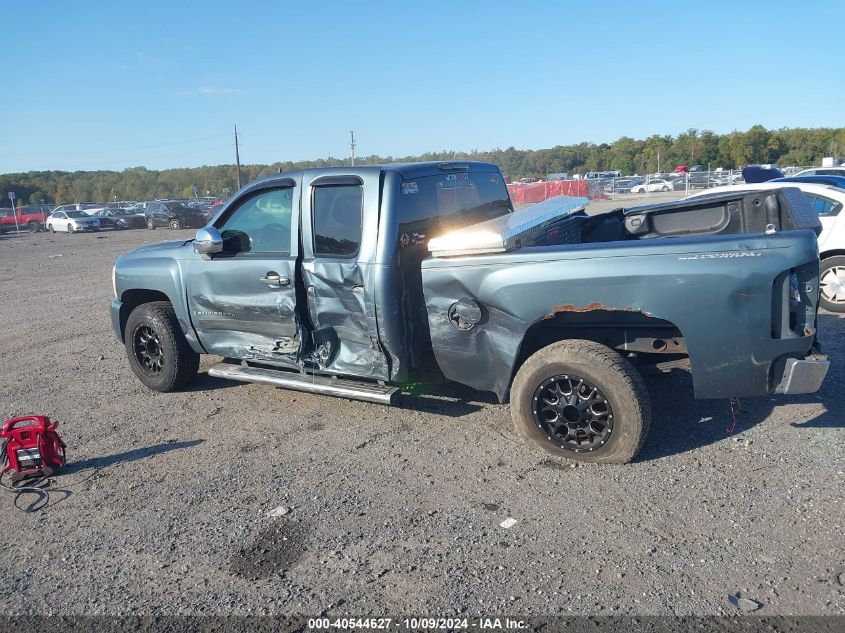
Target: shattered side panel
pixel 343 314
pixel 340 292
pixel 716 290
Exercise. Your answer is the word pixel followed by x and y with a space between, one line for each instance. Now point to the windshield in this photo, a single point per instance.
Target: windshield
pixel 433 205
pixel 77 214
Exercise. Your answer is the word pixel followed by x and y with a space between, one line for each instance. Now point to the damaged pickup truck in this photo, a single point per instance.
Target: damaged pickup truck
pixel 355 282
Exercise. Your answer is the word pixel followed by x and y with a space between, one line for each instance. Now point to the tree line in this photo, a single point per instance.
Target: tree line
pixel 786 146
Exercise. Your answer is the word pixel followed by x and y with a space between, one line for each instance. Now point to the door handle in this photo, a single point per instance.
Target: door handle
pixel 273 280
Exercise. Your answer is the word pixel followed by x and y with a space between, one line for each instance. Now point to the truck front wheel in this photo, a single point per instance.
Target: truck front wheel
pixel 157 349
pixel 581 400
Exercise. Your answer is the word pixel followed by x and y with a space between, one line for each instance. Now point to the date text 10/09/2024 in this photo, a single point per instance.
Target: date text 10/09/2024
pixel 416 624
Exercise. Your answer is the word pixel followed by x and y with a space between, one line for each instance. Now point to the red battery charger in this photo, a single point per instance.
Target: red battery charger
pixel 32 446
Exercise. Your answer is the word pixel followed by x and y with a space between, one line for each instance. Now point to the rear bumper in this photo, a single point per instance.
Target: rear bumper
pixel 804 375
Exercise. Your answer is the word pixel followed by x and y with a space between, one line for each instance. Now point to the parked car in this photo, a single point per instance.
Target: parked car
pixel 120 219
pixel 833 181
pixel 72 222
pixel 175 215
pixel 90 207
pixel 822 171
pixel 27 218
pixel 212 210
pixel 355 281
pixel 655 184
pixel 827 201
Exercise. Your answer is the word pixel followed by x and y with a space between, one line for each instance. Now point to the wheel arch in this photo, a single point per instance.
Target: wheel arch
pixel 620 330
pixel 132 298
pixel 835 252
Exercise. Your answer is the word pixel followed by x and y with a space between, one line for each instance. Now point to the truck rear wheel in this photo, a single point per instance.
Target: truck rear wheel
pixel 581 400
pixel 832 283
pixel 157 350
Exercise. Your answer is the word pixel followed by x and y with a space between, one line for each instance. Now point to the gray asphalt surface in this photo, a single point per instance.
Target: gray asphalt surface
pixel 164 506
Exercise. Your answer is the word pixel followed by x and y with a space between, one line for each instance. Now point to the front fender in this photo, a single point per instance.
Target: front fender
pixel 140 279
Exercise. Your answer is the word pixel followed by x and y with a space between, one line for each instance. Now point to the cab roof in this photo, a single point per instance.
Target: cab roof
pixel 406 170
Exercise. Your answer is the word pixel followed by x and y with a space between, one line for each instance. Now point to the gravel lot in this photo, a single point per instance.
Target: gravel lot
pixel 164 507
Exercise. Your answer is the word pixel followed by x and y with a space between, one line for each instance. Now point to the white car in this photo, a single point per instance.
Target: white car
pixel 822 171
pixel 72 222
pixel 828 202
pixel 655 184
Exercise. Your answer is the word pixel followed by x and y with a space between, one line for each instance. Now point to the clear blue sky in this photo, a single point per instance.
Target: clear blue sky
pixel 108 85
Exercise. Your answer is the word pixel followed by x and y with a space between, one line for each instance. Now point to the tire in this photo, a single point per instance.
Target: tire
pixel 150 224
pixel 70 228
pixel 665 188
pixel 50 228
pixel 832 283
pixel 175 224
pixel 616 390
pixel 158 352
pixel 34 227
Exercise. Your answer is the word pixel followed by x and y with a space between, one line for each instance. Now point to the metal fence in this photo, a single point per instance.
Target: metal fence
pixel 669 186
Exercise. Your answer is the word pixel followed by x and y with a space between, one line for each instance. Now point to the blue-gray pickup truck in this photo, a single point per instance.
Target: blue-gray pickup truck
pixel 356 282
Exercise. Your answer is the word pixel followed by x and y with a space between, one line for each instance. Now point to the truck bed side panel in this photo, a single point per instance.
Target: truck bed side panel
pixel 717 290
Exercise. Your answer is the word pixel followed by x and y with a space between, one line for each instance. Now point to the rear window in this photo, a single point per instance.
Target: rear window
pixel 432 205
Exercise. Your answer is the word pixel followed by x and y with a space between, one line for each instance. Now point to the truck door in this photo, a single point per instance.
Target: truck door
pixel 242 301
pixel 339 234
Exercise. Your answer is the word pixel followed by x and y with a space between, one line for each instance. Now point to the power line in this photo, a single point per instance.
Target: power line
pixel 123 149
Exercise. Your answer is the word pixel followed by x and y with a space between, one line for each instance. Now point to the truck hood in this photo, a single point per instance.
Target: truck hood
pixel 161 248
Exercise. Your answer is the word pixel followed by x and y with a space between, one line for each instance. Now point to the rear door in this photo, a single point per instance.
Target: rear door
pixel 340 233
pixel 242 301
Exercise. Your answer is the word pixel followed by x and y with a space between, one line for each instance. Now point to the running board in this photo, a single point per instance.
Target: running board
pixel 342 388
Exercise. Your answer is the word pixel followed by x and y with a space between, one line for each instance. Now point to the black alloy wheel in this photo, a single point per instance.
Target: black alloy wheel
pixel 573 413
pixel 148 351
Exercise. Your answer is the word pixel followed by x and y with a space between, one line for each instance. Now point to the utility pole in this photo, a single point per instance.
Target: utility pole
pixel 237 157
pixel 352 145
pixel 14 211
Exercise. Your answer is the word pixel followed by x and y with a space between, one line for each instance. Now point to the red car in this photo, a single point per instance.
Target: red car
pixel 29 218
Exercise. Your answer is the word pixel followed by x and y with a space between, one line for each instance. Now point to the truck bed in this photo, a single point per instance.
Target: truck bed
pixel 734 277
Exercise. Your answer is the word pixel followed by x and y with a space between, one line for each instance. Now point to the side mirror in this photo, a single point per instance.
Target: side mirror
pixel 207 241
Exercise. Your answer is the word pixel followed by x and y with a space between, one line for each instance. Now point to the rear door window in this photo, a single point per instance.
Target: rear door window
pixel 337 216
pixel 824 207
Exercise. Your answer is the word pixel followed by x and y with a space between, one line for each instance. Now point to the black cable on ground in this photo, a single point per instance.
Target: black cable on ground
pixel 36 485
